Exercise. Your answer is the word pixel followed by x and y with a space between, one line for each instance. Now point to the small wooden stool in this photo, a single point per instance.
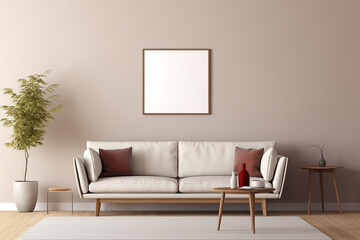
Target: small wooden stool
pixel 59 190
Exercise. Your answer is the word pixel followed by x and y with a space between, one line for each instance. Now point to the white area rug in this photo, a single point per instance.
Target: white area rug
pixel 175 228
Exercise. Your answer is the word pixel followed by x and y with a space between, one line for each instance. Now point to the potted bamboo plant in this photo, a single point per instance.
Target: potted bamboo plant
pixel 28 117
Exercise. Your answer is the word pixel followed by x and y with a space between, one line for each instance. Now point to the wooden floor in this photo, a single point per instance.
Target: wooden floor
pixel 336 226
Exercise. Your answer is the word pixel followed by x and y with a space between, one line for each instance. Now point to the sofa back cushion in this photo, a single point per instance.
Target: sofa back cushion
pixel 212 158
pixel 92 164
pixel 269 161
pixel 148 158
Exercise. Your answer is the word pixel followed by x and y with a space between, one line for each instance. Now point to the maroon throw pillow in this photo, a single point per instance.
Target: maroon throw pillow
pixel 251 157
pixel 116 162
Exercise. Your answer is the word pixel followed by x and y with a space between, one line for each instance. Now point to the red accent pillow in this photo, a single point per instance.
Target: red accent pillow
pixel 116 162
pixel 251 157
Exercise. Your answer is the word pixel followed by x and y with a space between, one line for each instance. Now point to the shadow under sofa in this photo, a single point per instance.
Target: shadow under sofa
pixel 174 172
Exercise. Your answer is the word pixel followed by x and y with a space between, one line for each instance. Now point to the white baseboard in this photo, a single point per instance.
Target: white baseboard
pixel 272 206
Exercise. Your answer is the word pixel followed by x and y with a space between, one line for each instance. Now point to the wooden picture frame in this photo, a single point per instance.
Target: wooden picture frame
pixel 176 81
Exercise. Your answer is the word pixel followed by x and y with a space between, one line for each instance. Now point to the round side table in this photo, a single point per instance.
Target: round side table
pixel 321 170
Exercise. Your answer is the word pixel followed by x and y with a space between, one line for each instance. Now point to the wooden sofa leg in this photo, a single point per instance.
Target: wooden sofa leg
pixel 263 206
pixel 97 207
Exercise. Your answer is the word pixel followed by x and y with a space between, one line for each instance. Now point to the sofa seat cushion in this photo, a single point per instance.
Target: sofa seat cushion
pixel 134 184
pixel 205 184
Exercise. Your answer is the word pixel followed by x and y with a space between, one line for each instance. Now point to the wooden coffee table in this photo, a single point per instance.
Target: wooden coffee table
pixel 251 192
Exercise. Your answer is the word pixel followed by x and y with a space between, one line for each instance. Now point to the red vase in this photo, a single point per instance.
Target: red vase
pixel 244 178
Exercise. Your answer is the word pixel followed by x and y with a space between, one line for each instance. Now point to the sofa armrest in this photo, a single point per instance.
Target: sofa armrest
pixel 280 173
pixel 81 178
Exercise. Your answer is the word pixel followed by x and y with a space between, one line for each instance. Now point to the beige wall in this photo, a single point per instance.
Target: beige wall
pixel 281 70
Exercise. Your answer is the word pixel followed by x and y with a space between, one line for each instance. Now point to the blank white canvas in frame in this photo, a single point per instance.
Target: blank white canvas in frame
pixel 176 81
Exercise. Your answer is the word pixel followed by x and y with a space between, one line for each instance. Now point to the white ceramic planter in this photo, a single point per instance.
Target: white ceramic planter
pixel 25 195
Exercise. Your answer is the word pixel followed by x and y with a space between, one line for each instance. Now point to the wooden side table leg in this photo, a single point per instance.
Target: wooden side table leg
pixel 252 210
pixel 321 190
pixel 336 189
pixel 221 208
pixel 309 194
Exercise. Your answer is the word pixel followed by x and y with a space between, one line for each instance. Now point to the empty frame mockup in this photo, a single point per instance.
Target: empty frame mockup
pixel 176 81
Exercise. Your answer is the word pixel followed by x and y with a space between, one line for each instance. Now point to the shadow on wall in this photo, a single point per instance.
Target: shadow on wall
pixel 65 138
pixel 67 123
pixel 292 186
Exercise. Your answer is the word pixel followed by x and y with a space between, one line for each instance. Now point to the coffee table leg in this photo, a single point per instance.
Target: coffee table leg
pixel 221 208
pixel 309 195
pixel 252 210
pixel 336 189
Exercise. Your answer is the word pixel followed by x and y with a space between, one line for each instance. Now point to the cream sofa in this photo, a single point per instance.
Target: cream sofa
pixel 174 172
